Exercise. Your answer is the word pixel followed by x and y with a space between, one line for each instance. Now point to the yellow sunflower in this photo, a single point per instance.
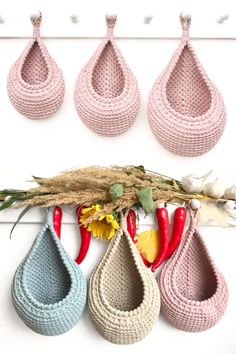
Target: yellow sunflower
pixel 104 227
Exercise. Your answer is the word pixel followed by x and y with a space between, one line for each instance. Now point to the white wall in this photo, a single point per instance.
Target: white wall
pixel 44 148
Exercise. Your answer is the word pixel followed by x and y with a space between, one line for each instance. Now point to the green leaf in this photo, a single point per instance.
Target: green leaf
pixel 116 190
pixel 24 211
pixel 8 192
pixel 145 198
pixel 7 203
pixel 37 180
pixel 141 168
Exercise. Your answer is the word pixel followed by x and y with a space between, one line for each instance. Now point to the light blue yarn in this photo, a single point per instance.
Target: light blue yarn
pixel 49 290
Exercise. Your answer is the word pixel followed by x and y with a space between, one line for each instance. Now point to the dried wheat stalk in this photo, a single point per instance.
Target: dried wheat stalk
pixel 90 185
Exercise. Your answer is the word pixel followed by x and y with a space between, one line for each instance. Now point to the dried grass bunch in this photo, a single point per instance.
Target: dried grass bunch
pixel 115 188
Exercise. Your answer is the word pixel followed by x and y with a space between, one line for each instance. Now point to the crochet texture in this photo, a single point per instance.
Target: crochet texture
pixel 194 293
pixel 124 298
pixel 106 95
pixel 35 82
pixel 49 289
pixel 186 111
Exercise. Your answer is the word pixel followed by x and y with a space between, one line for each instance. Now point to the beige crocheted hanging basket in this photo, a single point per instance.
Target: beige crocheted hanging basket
pixel 194 294
pixel 106 94
pixel 186 112
pixel 35 83
pixel 124 298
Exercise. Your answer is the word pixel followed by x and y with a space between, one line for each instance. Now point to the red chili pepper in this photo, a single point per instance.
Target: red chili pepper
pixel 85 234
pixel 85 238
pixel 131 228
pixel 164 234
pixel 131 224
pixel 57 216
pixel 177 231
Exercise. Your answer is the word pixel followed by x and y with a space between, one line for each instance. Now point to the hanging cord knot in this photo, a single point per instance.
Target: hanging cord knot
pixel 36 21
pixel 123 220
pixel 110 21
pixel 193 219
pixel 49 214
pixel 185 24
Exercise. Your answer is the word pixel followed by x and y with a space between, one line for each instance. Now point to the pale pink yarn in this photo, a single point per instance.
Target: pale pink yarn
pixel 106 95
pixel 35 82
pixel 194 293
pixel 186 111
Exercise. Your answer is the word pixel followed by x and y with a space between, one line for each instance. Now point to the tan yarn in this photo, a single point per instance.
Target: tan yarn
pixel 124 300
pixel 106 95
pixel 35 82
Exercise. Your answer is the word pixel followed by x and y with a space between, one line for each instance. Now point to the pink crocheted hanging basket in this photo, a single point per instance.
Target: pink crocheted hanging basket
pixel 186 112
pixel 106 96
pixel 35 82
pixel 194 294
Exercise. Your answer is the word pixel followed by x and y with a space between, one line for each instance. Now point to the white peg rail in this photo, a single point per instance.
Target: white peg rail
pixel 70 19
pixel 38 216
pixel 135 28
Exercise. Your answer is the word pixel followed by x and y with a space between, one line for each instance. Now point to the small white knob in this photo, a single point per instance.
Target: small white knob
pixel 74 18
pixel 111 16
pixel 147 19
pixel 2 20
pixel 229 205
pixel 195 204
pixel 35 15
pixel 7 198
pixel 222 18
pixel 160 204
pixel 186 16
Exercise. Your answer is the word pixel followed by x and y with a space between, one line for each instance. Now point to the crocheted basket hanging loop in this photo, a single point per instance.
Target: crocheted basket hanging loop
pixel 36 22
pixel 194 293
pixel 186 111
pixel 49 289
pixel 35 82
pixel 110 22
pixel 106 95
pixel 185 24
pixel 124 298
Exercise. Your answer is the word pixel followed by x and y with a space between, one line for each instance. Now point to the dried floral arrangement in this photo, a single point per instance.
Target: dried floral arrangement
pixel 106 191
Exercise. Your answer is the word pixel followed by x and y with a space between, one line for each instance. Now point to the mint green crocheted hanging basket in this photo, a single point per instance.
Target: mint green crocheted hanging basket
pixel 49 289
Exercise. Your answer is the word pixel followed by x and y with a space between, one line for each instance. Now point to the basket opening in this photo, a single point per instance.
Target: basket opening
pixel 35 70
pixel 108 78
pixel 122 283
pixel 196 280
pixel 187 91
pixel 47 278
